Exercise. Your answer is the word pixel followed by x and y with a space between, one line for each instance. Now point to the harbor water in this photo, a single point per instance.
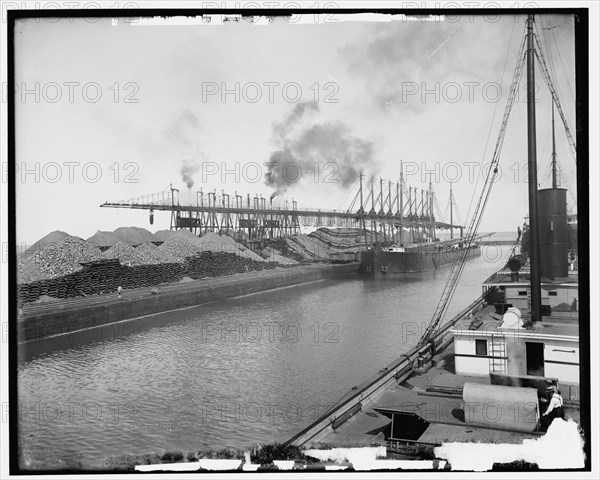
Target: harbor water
pixel 251 369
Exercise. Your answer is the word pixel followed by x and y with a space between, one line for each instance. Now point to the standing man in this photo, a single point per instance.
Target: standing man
pixel 120 292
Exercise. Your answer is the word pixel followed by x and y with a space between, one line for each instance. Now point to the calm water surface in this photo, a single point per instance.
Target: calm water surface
pixel 251 369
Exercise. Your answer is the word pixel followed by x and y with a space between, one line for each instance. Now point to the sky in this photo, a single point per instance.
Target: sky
pixel 108 110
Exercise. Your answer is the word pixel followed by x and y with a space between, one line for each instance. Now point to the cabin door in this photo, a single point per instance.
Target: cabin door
pixel 535 358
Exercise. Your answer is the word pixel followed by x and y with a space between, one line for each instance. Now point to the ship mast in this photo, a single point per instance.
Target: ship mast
pixel 554 182
pixel 532 172
pixel 361 192
pixel 431 225
pixel 362 211
pixel 451 220
pixel 410 213
pixel 400 200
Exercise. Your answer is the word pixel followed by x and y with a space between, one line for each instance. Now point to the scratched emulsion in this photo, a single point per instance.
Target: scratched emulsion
pixel 252 369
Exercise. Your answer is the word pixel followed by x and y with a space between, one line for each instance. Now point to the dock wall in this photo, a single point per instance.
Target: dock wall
pixel 66 316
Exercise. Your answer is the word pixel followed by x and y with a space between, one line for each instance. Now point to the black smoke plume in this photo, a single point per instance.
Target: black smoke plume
pixel 187 172
pixel 338 153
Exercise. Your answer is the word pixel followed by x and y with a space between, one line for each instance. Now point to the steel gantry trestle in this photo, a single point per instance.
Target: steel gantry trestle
pixel 388 212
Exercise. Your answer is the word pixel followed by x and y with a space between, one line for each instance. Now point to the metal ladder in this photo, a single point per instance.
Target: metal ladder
pixel 498 355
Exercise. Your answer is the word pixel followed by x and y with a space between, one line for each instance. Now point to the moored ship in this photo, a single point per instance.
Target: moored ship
pixel 415 258
pixel 425 254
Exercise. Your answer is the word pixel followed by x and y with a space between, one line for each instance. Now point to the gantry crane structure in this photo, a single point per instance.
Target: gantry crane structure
pixel 385 210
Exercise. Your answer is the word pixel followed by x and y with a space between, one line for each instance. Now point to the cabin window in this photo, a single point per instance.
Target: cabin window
pixel 552 294
pixel 480 347
pixel 523 293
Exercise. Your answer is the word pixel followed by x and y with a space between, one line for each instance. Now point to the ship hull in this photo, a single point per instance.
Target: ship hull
pixel 381 262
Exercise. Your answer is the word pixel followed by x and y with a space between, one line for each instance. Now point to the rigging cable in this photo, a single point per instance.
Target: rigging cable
pixel 354 200
pixel 487 141
pixel 459 264
pixel 556 94
pixel 563 67
pixel 545 73
pixel 548 46
pixel 550 62
pixel 440 217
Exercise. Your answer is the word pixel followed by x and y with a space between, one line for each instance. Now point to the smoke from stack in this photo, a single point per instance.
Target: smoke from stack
pixel 188 168
pixel 339 154
pixel 182 135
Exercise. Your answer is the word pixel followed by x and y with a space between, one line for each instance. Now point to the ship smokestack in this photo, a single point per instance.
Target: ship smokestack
pixel 553 231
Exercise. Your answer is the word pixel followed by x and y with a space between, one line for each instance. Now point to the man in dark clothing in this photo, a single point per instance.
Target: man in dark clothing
pixel 555 407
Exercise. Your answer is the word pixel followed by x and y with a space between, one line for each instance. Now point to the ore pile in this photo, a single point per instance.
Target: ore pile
pixel 148 254
pixel 344 238
pixel 144 254
pixel 50 239
pixel 177 249
pixel 320 243
pixel 57 259
pixel 209 264
pixel 106 275
pixel 135 235
pixel 73 267
pixel 306 247
pixel 103 276
pixel 123 252
pixel 273 255
pixel 164 235
pixel 214 242
pixel 103 240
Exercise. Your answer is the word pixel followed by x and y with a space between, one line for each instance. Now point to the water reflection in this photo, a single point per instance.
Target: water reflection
pixel 252 369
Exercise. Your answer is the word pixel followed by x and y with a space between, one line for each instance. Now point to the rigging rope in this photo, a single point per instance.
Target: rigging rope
pixel 436 204
pixel 487 141
pixel 458 265
pixel 545 73
pixel 458 215
pixel 355 197
pixel 563 67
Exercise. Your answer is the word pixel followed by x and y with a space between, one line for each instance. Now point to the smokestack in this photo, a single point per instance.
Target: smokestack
pixel 553 231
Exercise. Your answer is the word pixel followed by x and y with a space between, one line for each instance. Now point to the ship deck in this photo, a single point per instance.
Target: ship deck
pixel 503 277
pixel 371 426
pixel 563 324
pixel 433 399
